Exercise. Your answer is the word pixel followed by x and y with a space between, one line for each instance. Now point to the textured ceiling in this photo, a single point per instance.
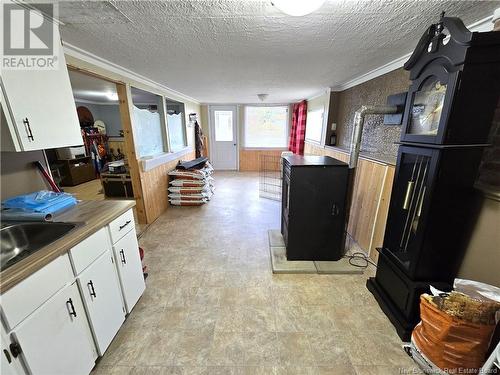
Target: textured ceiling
pixel 224 51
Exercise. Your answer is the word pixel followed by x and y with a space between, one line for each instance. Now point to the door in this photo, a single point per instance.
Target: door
pixel 410 197
pixel 129 266
pixel 102 298
pixel 56 338
pixel 224 137
pixel 41 106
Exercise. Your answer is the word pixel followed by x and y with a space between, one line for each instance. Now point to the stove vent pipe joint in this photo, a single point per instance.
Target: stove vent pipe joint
pixel 359 120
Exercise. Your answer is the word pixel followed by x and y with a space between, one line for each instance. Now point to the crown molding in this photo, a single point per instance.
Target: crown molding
pixel 128 74
pixel 482 25
pixel 325 91
pixel 377 72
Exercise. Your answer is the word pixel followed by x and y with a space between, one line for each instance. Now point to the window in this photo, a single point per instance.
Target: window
pixel 223 126
pixel 314 125
pixel 149 127
pixel 176 125
pixel 266 127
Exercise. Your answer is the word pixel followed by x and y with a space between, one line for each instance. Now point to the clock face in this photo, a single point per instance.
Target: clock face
pixel 427 107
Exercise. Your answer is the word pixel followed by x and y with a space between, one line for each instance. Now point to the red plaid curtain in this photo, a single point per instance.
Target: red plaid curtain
pixel 298 132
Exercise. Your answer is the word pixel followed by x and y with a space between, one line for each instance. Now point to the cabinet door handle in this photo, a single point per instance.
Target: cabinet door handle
pixel 72 311
pixel 7 355
pixel 26 123
pixel 124 225
pixel 90 284
pixel 122 256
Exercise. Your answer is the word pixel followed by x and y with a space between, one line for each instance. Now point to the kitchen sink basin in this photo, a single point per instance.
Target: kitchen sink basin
pixel 20 239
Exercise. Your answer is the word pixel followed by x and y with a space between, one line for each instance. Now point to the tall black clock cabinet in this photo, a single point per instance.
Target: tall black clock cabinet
pixel 455 89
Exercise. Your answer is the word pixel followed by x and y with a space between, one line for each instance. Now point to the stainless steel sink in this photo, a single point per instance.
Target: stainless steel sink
pixel 20 239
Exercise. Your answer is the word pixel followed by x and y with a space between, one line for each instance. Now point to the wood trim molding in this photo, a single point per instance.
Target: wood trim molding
pixel 125 100
pixel 91 73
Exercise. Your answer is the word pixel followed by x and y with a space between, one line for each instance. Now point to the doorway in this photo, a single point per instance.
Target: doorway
pixel 86 171
pixel 224 137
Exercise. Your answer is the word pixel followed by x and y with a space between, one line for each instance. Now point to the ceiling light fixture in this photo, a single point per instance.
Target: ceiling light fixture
pixel 297 7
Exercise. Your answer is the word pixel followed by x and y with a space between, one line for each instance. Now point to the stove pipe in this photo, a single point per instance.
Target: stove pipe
pixel 359 121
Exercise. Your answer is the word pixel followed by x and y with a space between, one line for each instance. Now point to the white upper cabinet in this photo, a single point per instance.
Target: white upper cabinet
pixel 39 108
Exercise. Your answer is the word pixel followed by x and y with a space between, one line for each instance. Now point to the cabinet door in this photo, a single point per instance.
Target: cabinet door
pixel 56 338
pixel 9 365
pixel 129 267
pixel 41 104
pixel 102 298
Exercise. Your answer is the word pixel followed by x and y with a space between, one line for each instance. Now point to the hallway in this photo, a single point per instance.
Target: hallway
pixel 212 305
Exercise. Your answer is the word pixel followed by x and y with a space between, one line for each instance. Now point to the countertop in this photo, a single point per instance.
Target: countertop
pixel 92 216
pixel 312 161
pixel 381 158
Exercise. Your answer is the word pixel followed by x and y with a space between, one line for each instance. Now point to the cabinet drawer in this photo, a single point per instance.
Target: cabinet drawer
pixel 31 293
pixel 83 254
pixel 121 226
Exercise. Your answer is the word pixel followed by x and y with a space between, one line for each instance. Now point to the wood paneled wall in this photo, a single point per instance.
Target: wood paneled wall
pixel 250 159
pixel 150 187
pixel 370 199
pixel 155 188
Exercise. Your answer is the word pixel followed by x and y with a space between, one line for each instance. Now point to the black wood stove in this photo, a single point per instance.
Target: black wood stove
pixel 455 89
pixel 313 207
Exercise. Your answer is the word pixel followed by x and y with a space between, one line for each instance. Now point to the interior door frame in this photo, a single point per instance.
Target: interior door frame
pixel 212 107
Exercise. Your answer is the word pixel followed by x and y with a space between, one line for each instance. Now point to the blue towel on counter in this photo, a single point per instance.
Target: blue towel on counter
pixel 46 202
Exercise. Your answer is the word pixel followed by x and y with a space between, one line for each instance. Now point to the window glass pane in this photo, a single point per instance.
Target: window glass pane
pixel 223 126
pixel 314 125
pixel 149 134
pixel 176 125
pixel 266 126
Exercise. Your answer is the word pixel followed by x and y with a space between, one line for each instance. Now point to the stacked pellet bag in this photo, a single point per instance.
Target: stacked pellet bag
pixel 191 187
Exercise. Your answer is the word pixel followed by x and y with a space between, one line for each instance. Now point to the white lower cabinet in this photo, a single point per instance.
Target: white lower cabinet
pixel 10 363
pixel 59 319
pixel 128 262
pixel 103 301
pixel 56 338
